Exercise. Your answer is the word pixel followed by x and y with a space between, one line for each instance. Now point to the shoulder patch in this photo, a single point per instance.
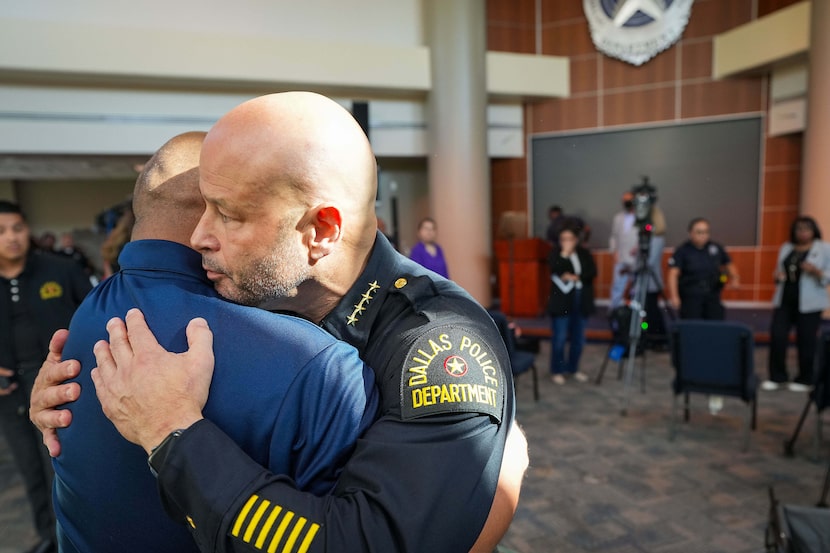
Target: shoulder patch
pixel 451 370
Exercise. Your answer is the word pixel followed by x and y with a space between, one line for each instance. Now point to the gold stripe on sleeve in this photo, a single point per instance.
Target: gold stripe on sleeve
pixel 309 537
pixel 292 538
pixel 269 522
pixel 240 518
pixel 249 532
pixel 272 547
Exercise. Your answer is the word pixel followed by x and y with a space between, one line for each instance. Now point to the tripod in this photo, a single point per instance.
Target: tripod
pixel 643 276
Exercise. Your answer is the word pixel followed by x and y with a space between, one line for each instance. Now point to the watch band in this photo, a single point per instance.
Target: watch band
pixel 159 453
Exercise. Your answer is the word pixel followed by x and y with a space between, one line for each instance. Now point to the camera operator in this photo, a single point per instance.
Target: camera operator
pixel 698 270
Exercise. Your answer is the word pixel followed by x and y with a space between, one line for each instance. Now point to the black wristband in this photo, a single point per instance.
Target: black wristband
pixel 159 453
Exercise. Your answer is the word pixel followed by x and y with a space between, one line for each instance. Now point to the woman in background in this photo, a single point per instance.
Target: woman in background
pixel 571 302
pixel 802 274
pixel 427 252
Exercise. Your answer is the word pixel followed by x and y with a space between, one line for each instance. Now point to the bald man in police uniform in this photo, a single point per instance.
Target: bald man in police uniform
pixel 289 182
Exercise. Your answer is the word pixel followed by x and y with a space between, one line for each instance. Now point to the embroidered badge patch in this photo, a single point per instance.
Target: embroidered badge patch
pixel 451 370
pixel 51 290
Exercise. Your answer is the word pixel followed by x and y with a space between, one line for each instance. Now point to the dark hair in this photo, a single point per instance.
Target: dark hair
pixel 574 225
pixel 695 221
pixel 804 219
pixel 426 220
pixel 10 207
pixel 555 208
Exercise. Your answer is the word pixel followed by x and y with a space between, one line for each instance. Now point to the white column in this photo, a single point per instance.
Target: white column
pixel 815 177
pixel 459 171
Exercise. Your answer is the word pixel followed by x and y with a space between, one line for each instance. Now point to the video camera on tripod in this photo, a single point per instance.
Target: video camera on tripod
pixel 645 195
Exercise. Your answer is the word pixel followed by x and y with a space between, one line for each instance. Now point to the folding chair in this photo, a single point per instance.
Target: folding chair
pixel 798 529
pixel 520 361
pixel 714 357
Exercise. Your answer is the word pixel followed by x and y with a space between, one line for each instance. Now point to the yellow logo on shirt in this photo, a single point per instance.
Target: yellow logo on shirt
pixel 51 290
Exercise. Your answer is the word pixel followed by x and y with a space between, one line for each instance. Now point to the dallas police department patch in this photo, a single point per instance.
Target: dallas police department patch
pixel 636 30
pixel 451 370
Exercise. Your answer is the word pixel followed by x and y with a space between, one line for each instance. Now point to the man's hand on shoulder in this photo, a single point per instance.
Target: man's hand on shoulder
pixel 146 391
pixel 50 392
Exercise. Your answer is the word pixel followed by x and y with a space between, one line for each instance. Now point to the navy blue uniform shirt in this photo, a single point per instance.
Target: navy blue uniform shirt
pixel 293 398
pixel 421 479
pixel 700 268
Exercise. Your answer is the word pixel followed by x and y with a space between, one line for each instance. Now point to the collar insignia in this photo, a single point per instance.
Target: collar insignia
pixel 360 307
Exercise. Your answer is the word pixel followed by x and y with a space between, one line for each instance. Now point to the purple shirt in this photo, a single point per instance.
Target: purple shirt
pixel 436 263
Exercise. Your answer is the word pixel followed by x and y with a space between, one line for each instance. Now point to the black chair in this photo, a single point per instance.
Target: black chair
pixel 796 528
pixel 819 395
pixel 520 361
pixel 716 358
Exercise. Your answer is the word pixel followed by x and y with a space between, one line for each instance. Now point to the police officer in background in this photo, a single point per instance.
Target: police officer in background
pixel 698 270
pixel 39 292
pixel 289 182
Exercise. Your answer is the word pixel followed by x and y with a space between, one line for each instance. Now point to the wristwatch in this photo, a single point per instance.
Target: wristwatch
pixel 159 453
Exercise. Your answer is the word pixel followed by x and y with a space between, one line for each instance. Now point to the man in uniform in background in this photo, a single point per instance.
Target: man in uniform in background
pixel 39 292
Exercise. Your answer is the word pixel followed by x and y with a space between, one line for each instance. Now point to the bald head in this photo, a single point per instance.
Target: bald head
pixel 166 199
pixel 303 147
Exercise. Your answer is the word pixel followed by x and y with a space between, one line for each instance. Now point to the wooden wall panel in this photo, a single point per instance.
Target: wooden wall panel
pixel 515 12
pixel 508 171
pixel 777 225
pixel 517 40
pixel 619 74
pixel 766 7
pixel 696 59
pixel 712 17
pixel 557 10
pixel 783 150
pixel 640 106
pixel 565 114
pixel 707 99
pixel 744 260
pixel 766 266
pixel 782 188
pixel 584 74
pixel 567 39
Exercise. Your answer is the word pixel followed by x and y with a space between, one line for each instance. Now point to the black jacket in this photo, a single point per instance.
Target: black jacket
pixel 53 287
pixel 561 302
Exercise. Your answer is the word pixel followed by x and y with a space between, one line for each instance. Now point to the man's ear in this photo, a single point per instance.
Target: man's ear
pixel 327 230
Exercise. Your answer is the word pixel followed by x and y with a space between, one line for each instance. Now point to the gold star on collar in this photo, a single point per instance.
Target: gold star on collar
pixel 365 298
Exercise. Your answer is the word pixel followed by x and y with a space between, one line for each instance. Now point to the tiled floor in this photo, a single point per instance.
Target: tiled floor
pixel 603 482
